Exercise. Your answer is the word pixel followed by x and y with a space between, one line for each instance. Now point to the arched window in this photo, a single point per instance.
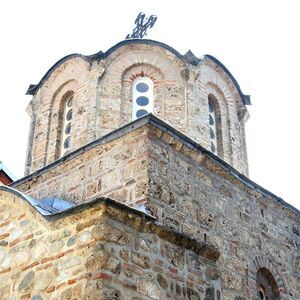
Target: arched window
pixel 262 282
pixel 266 285
pixel 212 120
pixel 142 97
pixel 66 124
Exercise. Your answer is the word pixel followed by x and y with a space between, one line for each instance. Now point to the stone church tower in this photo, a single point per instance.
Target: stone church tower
pixel 136 187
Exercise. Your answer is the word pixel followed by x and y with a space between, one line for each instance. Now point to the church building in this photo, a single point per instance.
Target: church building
pixel 136 187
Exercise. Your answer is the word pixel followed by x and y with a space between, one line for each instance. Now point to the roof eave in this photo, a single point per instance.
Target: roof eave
pixel 245 98
pixel 162 125
pixel 189 57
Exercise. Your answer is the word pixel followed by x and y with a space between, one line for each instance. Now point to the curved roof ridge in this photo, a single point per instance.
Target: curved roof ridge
pixel 33 88
pixel 31 201
pixel 46 206
pixel 246 98
pixel 53 214
pixel 188 57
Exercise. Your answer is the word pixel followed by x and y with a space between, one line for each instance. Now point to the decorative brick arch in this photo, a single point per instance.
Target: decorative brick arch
pixel 129 76
pixel 213 80
pixel 70 75
pixel 209 74
pixel 46 131
pixel 213 84
pixel 223 123
pixel 123 59
pixel 55 118
pixel 142 69
pixel 262 264
pixel 125 65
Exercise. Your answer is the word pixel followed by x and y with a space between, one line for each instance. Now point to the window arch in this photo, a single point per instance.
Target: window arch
pixel 212 126
pixel 142 97
pixel 66 124
pixel 266 285
pixel 264 280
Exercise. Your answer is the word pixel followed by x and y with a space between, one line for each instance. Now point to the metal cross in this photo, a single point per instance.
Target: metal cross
pixel 142 26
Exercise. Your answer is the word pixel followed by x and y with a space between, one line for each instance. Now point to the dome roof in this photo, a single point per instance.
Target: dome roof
pixel 189 57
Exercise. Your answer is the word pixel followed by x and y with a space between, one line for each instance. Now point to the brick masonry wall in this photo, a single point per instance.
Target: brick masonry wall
pixel 75 76
pixel 190 192
pixel 102 252
pixel 102 101
pixel 117 169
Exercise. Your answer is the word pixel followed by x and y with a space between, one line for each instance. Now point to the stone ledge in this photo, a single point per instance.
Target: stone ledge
pixel 130 216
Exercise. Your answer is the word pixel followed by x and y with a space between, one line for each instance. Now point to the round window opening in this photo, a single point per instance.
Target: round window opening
pixel 142 101
pixel 69 115
pixel 212 147
pixel 142 87
pixel 69 103
pixel 210 106
pixel 212 134
pixel 67 143
pixel 68 129
pixel 141 113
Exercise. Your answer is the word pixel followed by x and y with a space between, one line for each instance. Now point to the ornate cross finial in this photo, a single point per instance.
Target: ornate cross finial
pixel 141 26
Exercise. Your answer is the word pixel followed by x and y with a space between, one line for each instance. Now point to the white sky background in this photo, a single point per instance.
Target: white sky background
pixel 258 41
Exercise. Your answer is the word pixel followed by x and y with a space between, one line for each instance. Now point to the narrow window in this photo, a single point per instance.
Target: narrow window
pixel 66 126
pixel 142 97
pixel 267 287
pixel 212 126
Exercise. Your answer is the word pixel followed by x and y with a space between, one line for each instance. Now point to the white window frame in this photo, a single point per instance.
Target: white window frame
pixel 68 106
pixel 136 94
pixel 212 127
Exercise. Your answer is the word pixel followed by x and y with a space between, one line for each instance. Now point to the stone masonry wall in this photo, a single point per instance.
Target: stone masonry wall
pixel 189 191
pixel 123 67
pixel 102 102
pixel 101 252
pixel 193 194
